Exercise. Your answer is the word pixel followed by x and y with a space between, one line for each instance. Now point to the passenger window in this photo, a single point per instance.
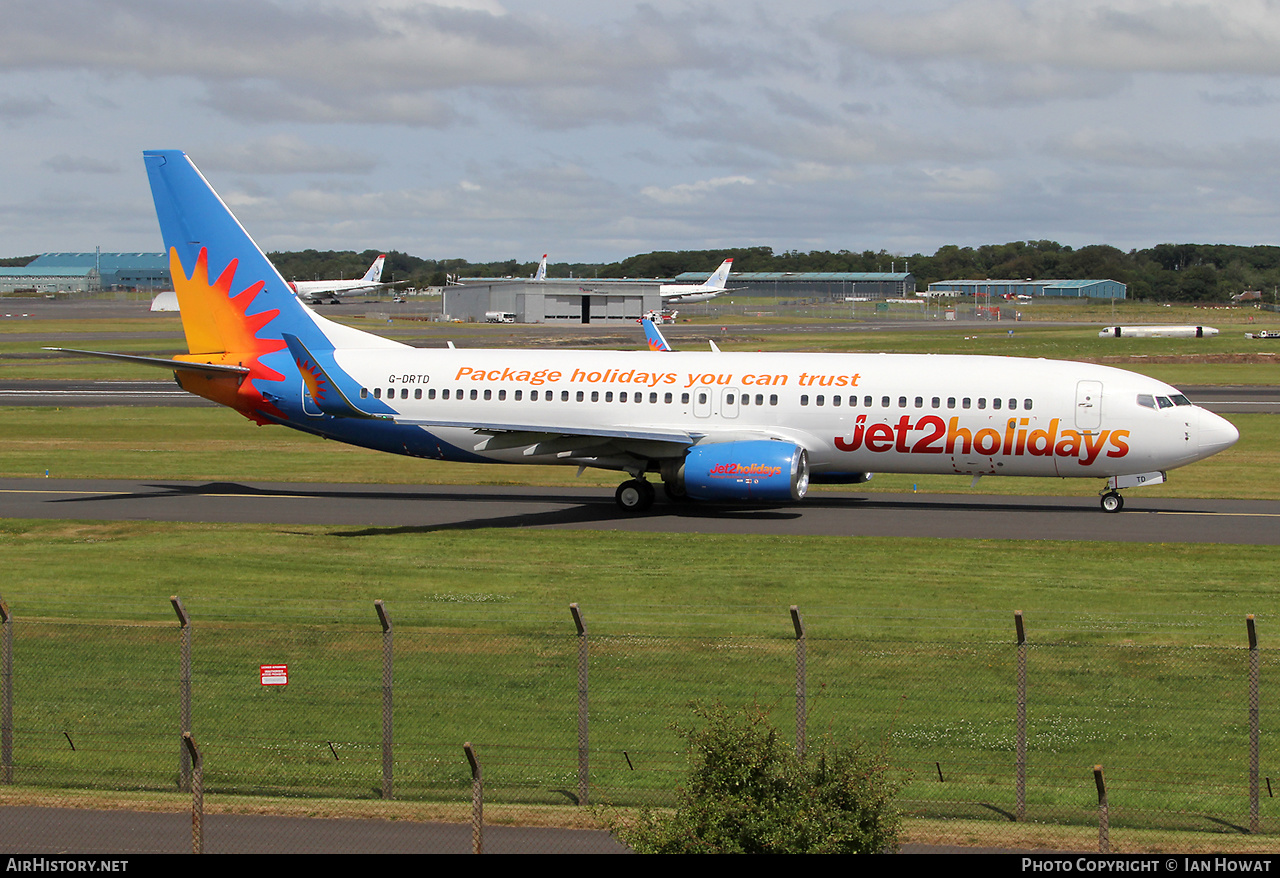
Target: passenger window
pixel 666 399
pixel 444 394
pixel 804 399
pixel 965 403
pixel 1013 404
pixel 1026 405
pixel 684 399
pixel 622 397
pixel 653 397
pixel 475 395
pixel 595 396
pixel 820 400
pixel 982 402
pixel 995 403
pixel 937 403
pixel 702 398
pixel 564 396
pixel 519 395
pixel 884 402
pixel 502 396
pixel 488 394
pixel 431 393
pixel 835 400
pixel 919 402
pixel 417 393
pixel 581 396
pixel 533 395
pixel 377 393
pixel 364 393
pixel 951 402
pixel 773 399
pixel 902 402
pixel 866 402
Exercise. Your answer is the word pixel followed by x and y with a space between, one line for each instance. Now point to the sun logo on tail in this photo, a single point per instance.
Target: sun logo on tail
pixel 220 329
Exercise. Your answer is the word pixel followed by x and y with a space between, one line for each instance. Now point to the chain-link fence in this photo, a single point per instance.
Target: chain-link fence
pixel 1120 744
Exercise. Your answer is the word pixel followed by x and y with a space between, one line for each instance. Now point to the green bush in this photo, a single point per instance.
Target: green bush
pixel 748 792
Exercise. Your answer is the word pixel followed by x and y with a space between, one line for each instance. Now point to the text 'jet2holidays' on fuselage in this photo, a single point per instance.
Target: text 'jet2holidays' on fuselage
pixel 714 426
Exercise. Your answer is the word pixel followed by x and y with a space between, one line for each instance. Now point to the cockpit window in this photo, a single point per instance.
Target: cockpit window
pixel 1180 400
pixel 1146 400
pixel 1165 402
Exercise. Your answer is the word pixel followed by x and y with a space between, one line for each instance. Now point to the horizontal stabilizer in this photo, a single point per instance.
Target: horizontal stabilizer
pixel 207 368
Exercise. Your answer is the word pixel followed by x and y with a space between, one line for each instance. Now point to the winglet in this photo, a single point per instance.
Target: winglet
pixel 653 336
pixel 324 391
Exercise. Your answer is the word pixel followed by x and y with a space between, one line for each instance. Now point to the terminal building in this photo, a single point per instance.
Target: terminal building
pixel 1035 289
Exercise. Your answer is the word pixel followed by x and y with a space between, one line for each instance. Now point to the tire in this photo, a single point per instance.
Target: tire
pixel 634 496
pixel 1112 502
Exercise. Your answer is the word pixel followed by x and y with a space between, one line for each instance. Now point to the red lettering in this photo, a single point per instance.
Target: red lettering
pixel 925 445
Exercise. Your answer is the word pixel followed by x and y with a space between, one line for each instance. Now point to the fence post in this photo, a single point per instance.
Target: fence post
pixel 477 801
pixel 1253 723
pixel 1104 815
pixel 583 728
pixel 1021 764
pixel 197 793
pixel 184 692
pixel 801 682
pixel 6 719
pixel 387 761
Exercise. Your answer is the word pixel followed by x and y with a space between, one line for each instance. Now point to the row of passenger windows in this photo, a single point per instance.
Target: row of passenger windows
pixel 565 395
pixel 965 402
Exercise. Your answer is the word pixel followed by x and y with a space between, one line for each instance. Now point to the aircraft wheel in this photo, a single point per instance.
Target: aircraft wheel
pixel 675 492
pixel 634 496
pixel 1112 502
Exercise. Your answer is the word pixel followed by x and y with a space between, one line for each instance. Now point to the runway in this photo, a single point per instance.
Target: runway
pixel 406 508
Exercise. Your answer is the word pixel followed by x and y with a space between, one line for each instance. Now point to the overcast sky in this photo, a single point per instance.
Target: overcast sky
pixel 494 129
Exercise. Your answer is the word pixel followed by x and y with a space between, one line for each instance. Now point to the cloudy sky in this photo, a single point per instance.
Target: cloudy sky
pixel 493 129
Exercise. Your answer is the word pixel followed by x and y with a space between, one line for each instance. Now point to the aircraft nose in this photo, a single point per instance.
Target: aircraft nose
pixel 1216 433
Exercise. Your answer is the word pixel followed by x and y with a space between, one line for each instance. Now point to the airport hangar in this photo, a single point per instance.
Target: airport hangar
pixel 88 273
pixel 617 300
pixel 1075 289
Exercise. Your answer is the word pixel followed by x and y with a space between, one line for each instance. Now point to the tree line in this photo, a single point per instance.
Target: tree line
pixel 1165 272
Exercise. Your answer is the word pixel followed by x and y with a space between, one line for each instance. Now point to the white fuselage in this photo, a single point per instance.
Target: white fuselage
pixel 851 412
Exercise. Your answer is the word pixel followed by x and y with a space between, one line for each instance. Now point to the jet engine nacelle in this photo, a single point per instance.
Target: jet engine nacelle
pixel 763 469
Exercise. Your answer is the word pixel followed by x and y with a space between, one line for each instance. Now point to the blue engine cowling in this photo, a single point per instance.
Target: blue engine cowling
pixel 765 469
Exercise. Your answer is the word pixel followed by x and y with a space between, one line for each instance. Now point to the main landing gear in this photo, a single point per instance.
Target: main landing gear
pixel 1112 501
pixel 635 495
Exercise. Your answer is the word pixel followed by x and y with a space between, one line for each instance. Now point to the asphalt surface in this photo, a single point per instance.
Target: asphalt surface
pixel 403 508
pixel 70 831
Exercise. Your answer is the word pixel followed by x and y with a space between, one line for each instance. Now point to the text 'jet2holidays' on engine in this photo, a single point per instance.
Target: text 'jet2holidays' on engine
pixel 714 426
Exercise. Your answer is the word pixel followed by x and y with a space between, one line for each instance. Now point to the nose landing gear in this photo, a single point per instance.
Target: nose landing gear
pixel 1112 501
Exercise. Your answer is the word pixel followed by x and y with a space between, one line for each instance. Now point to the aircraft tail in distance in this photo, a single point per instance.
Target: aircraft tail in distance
pixel 541 273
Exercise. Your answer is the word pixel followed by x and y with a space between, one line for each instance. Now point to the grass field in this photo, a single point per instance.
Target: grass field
pixel 1137 659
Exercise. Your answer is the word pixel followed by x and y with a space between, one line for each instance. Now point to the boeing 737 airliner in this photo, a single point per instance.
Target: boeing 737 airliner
pixel 716 426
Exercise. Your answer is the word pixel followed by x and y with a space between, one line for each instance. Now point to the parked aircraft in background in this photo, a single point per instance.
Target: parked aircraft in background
pixel 316 291
pixel 1158 332
pixel 716 426
pixel 541 273
pixel 690 293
